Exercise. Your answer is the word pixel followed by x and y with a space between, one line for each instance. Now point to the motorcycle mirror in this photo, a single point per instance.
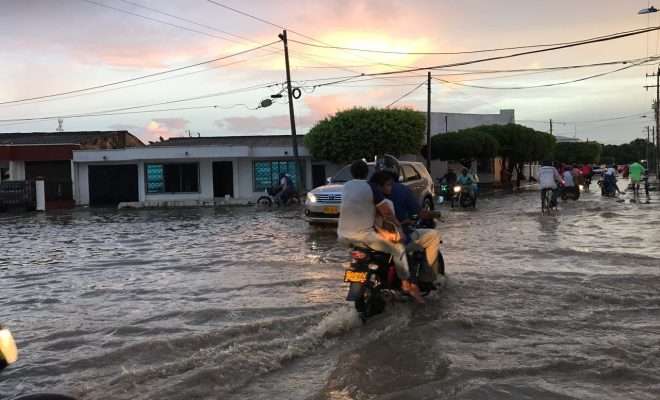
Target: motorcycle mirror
pixel 8 350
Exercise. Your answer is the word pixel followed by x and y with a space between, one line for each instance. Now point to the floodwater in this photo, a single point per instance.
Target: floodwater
pixel 245 304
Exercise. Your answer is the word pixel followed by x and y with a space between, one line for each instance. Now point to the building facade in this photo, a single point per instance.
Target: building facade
pixel 202 171
pixel 49 156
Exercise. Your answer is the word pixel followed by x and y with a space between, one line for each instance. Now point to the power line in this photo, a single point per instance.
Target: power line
pixel 116 110
pixel 111 89
pixel 140 77
pixel 430 53
pixel 541 85
pixel 189 21
pixel 405 95
pixel 265 21
pixel 102 114
pixel 161 21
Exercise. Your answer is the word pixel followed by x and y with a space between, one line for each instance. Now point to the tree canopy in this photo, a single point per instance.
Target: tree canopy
pixel 465 144
pixel 578 152
pixel 363 133
pixel 515 143
pixel 627 153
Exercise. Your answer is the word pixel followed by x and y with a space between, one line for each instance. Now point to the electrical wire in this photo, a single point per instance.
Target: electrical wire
pixel 115 110
pixel 140 77
pixel 411 53
pixel 189 21
pixel 265 21
pixel 541 85
pixel 160 21
pixel 405 95
pixel 112 89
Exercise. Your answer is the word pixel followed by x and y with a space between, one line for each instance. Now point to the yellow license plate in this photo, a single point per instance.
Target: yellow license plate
pixel 330 210
pixel 355 277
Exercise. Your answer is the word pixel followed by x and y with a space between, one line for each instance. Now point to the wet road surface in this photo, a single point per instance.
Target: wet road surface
pixel 244 304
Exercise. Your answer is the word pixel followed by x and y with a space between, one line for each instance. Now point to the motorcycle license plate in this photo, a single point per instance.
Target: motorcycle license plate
pixel 330 210
pixel 355 277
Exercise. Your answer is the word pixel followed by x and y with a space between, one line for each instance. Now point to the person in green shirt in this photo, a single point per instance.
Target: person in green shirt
pixel 636 170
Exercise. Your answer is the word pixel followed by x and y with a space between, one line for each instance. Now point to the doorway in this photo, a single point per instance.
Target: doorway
pixel 223 179
pixel 110 185
pixel 318 175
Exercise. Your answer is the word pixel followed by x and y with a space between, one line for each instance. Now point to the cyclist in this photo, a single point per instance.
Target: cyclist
pixel 548 179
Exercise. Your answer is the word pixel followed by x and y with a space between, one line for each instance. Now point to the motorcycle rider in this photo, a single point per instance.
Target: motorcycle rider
pixel 360 203
pixel 609 180
pixel 588 173
pixel 286 189
pixel 406 207
pixel 467 181
pixel 548 179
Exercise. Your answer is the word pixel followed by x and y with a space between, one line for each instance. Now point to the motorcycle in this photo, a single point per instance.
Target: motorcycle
pixel 9 355
pixel 571 193
pixel 373 280
pixel 464 197
pixel 607 186
pixel 270 197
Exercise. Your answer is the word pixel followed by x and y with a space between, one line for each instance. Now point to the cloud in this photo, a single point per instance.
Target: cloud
pixel 156 128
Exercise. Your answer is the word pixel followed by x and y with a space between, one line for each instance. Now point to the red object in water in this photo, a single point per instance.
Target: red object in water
pixel 391 276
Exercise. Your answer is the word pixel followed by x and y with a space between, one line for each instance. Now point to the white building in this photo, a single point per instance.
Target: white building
pixel 442 122
pixel 191 171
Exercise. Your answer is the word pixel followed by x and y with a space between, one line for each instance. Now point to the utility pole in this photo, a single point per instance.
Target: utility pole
pixel 300 181
pixel 648 142
pixel 551 126
pixel 656 111
pixel 428 123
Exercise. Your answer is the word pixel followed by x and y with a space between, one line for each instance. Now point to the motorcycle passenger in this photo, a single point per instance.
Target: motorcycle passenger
pixel 357 217
pixel 406 207
pixel 569 181
pixel 548 179
pixel 286 189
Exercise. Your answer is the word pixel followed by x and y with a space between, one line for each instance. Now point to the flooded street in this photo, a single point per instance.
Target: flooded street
pixel 243 304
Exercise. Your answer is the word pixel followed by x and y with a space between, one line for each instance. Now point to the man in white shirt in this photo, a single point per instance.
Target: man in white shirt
pixel 357 217
pixel 548 179
pixel 568 178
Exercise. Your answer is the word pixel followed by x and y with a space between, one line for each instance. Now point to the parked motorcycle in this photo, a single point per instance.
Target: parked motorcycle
pixel 464 197
pixel 9 355
pixel 373 280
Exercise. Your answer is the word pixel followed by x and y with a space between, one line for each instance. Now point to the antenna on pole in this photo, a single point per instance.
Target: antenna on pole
pixel 60 122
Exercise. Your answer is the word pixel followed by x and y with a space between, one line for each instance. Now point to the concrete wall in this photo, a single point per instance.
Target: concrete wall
pixel 17 170
pixel 458 121
pixel 243 169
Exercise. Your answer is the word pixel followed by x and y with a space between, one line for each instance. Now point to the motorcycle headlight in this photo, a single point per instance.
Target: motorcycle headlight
pixel 311 197
pixel 581 188
pixel 457 189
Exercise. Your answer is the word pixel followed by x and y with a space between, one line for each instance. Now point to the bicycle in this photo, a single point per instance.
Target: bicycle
pixel 547 203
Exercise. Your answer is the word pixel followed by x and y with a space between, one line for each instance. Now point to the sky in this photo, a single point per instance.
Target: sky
pixel 54 46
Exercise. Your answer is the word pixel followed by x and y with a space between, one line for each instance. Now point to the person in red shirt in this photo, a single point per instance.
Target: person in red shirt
pixel 588 173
